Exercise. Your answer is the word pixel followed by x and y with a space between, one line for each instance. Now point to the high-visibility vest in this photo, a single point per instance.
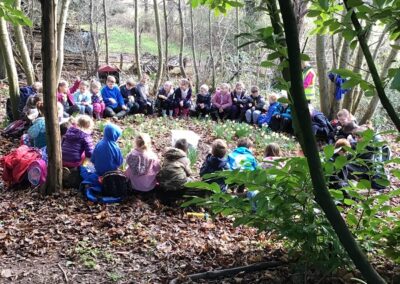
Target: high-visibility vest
pixel 310 89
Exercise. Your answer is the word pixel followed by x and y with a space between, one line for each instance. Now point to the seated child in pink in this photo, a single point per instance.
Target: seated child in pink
pixel 272 153
pixel 97 100
pixel 143 163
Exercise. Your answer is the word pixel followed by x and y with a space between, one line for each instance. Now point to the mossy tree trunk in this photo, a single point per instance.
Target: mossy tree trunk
pixel 157 81
pixel 60 36
pixel 137 50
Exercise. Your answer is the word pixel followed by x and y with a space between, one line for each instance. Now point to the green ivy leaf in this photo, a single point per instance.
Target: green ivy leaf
pixel 396 81
pixel 329 151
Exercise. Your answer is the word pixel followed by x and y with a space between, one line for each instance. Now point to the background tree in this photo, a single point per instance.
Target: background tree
pixel 94 37
pixel 321 72
pixel 62 21
pixel 106 31
pixel 137 50
pixel 196 71
pixel 166 38
pixel 23 50
pixel 12 75
pixel 49 27
pixel 182 39
pixel 160 69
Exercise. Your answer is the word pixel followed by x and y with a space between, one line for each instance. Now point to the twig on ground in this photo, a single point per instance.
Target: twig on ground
pixel 230 271
pixel 65 273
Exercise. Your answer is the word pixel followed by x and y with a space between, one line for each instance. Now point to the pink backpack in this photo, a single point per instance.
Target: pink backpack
pixel 37 172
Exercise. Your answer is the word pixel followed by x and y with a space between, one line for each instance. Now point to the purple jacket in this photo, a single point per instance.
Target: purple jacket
pixel 74 144
pixel 219 100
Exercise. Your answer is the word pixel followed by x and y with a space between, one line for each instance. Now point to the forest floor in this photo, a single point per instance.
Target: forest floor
pixel 65 239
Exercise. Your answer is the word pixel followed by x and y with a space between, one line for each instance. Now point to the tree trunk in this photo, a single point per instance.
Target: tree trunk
pixel 182 39
pixel 380 90
pixel 360 93
pixel 3 72
pixel 322 195
pixel 196 71
pixel 23 50
pixel 137 51
pixel 373 104
pixel 211 52
pixel 343 59
pixel 239 65
pixel 54 168
pixel 106 30
pixel 157 81
pixel 166 38
pixel 94 37
pixel 60 37
pixel 9 62
pixel 348 100
pixel 322 74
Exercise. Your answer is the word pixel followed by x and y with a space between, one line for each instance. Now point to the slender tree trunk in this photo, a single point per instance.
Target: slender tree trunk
pixel 137 50
pixel 211 52
pixel 344 57
pixel 106 30
pixel 322 74
pixel 49 55
pixel 62 21
pixel 322 195
pixel 182 39
pixel 166 38
pixel 373 104
pixel 380 90
pixel 94 37
pixel 348 100
pixel 239 63
pixel 196 71
pixel 157 81
pixel 360 93
pixel 23 50
pixel 3 71
pixel 9 62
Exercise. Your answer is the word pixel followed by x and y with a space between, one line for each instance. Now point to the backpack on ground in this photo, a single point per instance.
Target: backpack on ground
pixel 115 184
pixel 37 172
pixel 14 129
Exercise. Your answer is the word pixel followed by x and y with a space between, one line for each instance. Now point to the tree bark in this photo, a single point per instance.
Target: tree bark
pixel 182 39
pixel 343 59
pixel 360 93
pixel 106 30
pixel 322 195
pixel 3 73
pixel 373 104
pixel 137 51
pixel 196 71
pixel 239 65
pixel 60 37
pixel 9 62
pixel 157 81
pixel 94 37
pixel 211 52
pixel 49 55
pixel 348 100
pixel 380 90
pixel 23 50
pixel 166 38
pixel 322 74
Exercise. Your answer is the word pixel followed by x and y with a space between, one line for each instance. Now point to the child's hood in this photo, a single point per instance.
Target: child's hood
pixel 173 154
pixel 112 132
pixel 74 133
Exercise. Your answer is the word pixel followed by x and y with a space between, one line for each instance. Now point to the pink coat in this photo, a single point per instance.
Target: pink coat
pixel 219 100
pixel 70 93
pixel 143 169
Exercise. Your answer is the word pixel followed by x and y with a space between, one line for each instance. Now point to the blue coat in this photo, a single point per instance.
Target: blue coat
pixel 242 158
pixel 266 117
pixel 38 132
pixel 113 93
pixel 107 155
pixel 285 112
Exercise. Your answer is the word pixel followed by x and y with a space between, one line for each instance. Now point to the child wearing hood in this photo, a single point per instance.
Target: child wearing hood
pixel 242 157
pixel 144 165
pixel 175 170
pixel 37 132
pixel 77 143
pixel 215 162
pixel 107 155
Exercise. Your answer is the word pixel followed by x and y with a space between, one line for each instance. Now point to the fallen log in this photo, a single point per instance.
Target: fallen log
pixel 230 271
